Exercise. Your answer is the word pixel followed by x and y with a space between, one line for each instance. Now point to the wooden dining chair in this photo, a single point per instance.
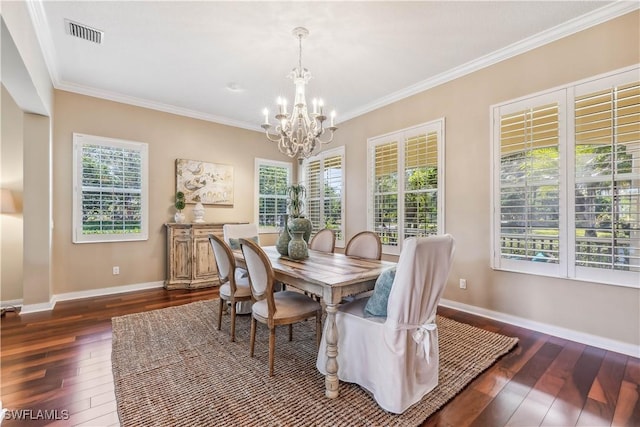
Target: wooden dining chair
pixel 232 290
pixel 323 241
pixel 232 234
pixel 274 308
pixel 365 244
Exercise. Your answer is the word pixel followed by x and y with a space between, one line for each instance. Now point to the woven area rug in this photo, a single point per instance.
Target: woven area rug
pixel 173 367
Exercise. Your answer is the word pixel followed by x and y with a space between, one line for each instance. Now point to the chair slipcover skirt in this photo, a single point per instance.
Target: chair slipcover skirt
pixel 396 358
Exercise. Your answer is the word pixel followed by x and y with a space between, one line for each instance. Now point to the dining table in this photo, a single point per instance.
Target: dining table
pixel 330 276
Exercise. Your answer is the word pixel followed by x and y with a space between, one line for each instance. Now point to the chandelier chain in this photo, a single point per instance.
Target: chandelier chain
pixel 300 53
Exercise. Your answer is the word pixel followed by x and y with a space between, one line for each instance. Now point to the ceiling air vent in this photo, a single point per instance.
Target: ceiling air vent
pixel 84 32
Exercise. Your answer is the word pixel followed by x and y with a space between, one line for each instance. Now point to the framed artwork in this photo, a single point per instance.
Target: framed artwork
pixel 207 183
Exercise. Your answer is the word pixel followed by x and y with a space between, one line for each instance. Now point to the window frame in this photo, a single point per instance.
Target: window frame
pixel 401 136
pixel 566 268
pixel 274 163
pixel 545 269
pixel 79 141
pixel 321 157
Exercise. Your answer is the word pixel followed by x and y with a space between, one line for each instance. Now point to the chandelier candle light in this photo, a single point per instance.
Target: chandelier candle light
pixel 298 133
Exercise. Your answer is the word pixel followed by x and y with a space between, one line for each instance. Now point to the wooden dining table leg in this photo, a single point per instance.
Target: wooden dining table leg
pixel 331 379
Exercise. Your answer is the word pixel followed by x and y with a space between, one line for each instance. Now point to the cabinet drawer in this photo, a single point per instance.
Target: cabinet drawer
pixel 182 232
pixel 204 232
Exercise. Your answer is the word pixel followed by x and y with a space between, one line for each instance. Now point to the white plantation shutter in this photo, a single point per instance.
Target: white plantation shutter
pixel 333 190
pixel 406 184
pixel 421 185
pixel 110 196
pixel 323 177
pixel 314 187
pixel 385 192
pixel 607 178
pixel 566 176
pixel 272 180
pixel 529 184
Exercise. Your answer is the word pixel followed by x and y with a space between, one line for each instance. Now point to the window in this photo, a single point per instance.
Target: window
pixel 567 178
pixel 110 197
pixel 530 140
pixel 272 180
pixel 324 180
pixel 406 184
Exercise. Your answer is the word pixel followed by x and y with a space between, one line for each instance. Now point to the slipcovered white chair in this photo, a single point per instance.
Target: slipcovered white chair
pixel 323 241
pixel 232 290
pixel 232 234
pixel 365 244
pixel 274 308
pixel 396 357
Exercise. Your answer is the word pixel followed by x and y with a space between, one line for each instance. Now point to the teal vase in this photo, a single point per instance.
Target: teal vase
pixel 297 246
pixel 301 224
pixel 282 245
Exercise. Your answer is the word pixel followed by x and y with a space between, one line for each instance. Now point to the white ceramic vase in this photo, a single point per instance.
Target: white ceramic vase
pixel 179 217
pixel 198 213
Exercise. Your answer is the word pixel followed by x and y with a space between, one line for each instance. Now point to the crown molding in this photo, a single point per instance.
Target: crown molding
pixel 598 16
pixel 154 105
pixel 43 34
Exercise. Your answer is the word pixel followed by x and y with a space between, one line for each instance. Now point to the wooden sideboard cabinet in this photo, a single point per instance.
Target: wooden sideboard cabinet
pixel 190 260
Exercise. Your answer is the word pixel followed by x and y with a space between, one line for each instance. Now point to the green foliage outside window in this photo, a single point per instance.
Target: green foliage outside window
pixel 272 199
pixel 111 190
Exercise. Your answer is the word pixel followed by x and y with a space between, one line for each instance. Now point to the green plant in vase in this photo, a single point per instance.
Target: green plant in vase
pixel 295 204
pixel 179 205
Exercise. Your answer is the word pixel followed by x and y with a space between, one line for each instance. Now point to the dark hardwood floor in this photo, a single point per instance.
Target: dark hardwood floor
pixel 59 364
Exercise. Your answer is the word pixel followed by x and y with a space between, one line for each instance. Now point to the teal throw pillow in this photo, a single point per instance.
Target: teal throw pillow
pixel 235 243
pixel 377 304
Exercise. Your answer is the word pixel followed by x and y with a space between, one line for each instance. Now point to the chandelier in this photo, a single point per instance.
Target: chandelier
pixel 298 132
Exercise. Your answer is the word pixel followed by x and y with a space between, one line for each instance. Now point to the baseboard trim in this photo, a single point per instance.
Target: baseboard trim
pixel 572 335
pixel 11 303
pixel 69 296
pixel 35 308
pixel 545 328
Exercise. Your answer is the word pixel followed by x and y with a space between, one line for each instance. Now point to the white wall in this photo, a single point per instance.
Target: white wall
pixel 591 309
pixel 11 123
pixel 26 79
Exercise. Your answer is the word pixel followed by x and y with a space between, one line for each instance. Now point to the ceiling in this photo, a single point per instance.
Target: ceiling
pixel 183 57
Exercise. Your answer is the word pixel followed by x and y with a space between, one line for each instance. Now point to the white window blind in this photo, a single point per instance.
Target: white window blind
pixel 110 196
pixel 406 184
pixel 385 192
pixel 324 181
pixel 272 180
pixel 314 186
pixel 529 184
pixel 421 185
pixel 607 179
pixel 567 181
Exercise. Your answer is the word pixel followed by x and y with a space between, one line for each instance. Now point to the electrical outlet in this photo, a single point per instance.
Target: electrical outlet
pixel 463 283
pixel 116 270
